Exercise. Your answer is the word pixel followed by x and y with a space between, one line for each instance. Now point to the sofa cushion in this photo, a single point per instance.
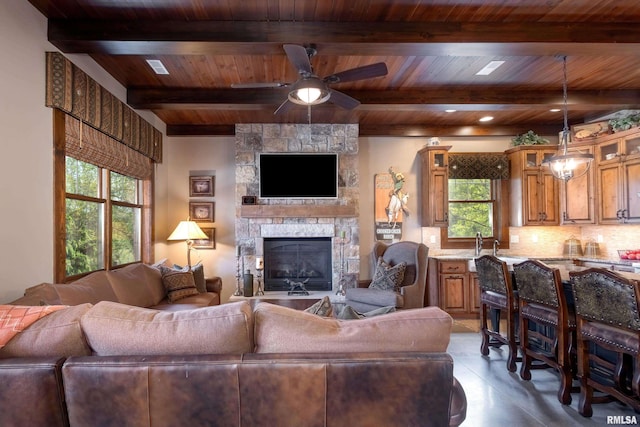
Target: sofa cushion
pixel 178 283
pixel 57 334
pixel 387 277
pixel 114 329
pixel 374 297
pixel 284 330
pixel 190 302
pixel 137 284
pixel 92 288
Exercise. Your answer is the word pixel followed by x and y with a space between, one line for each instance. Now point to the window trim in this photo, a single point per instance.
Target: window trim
pixel 500 188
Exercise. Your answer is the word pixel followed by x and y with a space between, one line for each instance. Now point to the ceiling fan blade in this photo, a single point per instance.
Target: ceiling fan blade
pixel 258 85
pixel 365 72
pixel 343 100
pixel 284 107
pixel 298 57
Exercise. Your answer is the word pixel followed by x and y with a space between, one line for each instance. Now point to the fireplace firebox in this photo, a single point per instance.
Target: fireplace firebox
pixel 303 259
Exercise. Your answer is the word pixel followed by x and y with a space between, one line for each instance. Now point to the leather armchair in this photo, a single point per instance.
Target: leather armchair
pixel 412 288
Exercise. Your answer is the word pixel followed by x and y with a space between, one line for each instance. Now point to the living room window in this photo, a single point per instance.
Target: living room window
pixel 102 202
pixel 87 207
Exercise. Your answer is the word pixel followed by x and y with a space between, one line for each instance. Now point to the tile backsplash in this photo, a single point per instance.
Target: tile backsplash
pixel 549 241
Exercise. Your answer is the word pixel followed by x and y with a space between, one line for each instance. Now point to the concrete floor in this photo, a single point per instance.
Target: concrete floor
pixel 497 397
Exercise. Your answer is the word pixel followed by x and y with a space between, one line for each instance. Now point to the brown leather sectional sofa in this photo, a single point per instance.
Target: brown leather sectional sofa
pixel 228 365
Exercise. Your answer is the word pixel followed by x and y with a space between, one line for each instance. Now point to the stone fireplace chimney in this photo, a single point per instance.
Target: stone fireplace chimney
pixel 336 219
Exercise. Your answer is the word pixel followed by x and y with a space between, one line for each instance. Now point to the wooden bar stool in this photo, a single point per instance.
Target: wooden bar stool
pixel 607 317
pixel 496 292
pixel 547 328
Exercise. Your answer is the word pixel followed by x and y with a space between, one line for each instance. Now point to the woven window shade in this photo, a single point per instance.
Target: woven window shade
pixel 103 151
pixel 478 166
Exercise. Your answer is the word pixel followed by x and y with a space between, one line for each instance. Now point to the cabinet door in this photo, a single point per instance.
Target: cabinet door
pixel 531 199
pixel 609 187
pixel 474 293
pixel 452 292
pixel 439 195
pixel 578 202
pixel 631 171
pixel 549 199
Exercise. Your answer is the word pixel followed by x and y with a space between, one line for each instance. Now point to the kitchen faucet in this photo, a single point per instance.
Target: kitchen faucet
pixel 496 245
pixel 478 243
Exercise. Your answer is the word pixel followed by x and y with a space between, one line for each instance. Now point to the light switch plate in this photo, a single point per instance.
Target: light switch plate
pixel 514 238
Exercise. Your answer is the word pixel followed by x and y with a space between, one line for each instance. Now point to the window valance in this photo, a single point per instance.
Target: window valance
pixel 478 166
pixel 71 90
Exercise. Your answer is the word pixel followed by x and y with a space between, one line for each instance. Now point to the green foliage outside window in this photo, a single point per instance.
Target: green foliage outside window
pixel 84 237
pixel 470 208
pixel 125 235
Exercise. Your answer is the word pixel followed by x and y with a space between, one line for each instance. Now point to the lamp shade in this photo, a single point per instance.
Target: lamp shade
pixel 187 230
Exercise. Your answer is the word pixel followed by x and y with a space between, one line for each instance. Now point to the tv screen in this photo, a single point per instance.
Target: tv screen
pixel 298 175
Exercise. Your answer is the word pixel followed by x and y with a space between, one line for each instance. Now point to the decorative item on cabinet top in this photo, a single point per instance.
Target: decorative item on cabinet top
pixel 478 166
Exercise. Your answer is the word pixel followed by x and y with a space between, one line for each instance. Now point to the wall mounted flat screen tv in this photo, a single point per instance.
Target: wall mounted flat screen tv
pixel 298 175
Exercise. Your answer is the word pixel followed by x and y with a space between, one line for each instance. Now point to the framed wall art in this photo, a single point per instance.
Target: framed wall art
pixel 209 242
pixel 202 211
pixel 201 186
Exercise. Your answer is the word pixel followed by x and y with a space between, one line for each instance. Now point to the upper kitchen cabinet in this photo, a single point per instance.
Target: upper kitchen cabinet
pixel 435 181
pixel 618 178
pixel 534 190
pixel 577 196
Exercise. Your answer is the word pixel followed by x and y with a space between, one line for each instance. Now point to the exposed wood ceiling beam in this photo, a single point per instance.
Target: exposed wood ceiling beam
pixel 343 38
pixel 428 99
pixel 383 130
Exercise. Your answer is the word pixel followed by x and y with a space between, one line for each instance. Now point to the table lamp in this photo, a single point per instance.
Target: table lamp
pixel 188 230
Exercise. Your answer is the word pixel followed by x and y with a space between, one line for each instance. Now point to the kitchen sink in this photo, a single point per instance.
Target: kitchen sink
pixel 509 260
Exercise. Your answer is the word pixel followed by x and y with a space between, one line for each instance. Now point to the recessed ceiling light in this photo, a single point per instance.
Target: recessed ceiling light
pixel 486 119
pixel 555 110
pixel 449 111
pixel 489 68
pixel 157 66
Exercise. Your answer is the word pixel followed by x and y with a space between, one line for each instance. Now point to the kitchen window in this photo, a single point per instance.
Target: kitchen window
pixel 477 201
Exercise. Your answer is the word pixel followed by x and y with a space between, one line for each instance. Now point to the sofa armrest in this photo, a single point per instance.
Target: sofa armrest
pixel 214 284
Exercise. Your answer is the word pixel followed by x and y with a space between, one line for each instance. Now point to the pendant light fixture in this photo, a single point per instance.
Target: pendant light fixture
pixel 566 165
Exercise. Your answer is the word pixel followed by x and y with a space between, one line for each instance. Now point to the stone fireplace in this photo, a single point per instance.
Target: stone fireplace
pixel 334 221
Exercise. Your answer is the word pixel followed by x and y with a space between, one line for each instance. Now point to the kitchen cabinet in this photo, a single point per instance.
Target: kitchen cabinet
pixel 435 186
pixel 577 196
pixel 458 289
pixel 618 178
pixel 534 191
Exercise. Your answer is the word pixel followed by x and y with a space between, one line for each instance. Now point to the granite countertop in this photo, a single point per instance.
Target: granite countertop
pixel 546 258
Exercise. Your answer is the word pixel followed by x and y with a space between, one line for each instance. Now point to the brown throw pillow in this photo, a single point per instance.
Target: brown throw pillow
pixel 198 276
pixel 387 277
pixel 178 283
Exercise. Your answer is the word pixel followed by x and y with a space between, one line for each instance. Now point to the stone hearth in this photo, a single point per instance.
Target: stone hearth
pixel 252 139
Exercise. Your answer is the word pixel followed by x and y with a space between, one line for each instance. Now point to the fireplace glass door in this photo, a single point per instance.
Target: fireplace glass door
pixel 306 260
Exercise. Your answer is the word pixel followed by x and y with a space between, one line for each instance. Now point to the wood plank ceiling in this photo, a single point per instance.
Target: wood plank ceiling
pixel 432 49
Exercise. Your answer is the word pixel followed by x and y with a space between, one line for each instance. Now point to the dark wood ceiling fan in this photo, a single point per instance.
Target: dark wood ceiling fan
pixel 310 89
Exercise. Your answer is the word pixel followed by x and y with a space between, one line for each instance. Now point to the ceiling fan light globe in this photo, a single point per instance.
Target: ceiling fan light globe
pixel 309 91
pixel 308 94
